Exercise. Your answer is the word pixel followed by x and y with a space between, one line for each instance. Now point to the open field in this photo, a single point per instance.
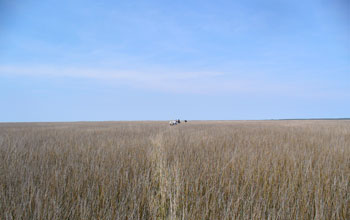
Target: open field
pixel 197 170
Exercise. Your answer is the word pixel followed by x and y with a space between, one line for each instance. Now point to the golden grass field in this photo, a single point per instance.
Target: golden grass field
pixel 197 170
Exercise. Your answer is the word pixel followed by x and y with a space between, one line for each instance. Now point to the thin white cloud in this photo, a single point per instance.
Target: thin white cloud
pixel 104 73
pixel 197 82
pixel 165 80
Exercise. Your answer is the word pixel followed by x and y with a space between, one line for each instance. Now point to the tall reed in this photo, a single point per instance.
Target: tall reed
pixel 195 170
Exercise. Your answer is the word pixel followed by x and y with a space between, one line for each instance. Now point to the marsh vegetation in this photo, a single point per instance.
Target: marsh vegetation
pixel 198 170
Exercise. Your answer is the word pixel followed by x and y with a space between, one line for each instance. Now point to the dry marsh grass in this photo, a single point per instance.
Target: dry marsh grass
pixel 198 170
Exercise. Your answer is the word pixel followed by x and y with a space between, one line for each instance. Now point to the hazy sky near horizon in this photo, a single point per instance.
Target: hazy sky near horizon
pixel 75 60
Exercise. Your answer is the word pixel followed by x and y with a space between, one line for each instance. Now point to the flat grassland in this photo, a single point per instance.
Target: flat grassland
pixel 195 170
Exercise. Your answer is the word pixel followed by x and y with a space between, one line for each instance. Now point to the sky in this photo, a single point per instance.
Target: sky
pixel 75 60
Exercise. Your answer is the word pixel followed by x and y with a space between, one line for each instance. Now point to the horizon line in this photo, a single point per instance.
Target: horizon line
pixel 86 121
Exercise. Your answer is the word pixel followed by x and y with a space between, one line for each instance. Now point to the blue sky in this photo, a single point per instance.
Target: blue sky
pixel 160 60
